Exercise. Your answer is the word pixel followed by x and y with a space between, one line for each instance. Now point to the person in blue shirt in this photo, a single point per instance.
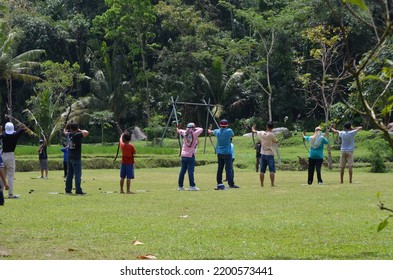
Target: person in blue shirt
pixel 224 155
pixel 65 156
pixel 347 147
pixel 315 158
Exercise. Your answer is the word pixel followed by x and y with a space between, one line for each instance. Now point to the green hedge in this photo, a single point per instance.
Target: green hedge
pixel 26 165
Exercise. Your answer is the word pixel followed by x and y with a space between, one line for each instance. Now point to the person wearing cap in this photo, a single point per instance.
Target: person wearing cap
pixel 315 158
pixel 10 139
pixel 268 140
pixel 347 148
pixel 188 151
pixel 224 155
pixel 43 159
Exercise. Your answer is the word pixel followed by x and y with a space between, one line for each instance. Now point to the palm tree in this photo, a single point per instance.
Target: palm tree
pixel 218 84
pixel 16 67
pixel 109 90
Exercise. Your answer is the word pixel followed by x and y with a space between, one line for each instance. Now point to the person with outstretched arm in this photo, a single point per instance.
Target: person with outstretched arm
pixel 268 140
pixel 347 148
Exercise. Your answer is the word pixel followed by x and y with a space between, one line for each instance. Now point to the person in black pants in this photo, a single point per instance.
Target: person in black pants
pixel 315 159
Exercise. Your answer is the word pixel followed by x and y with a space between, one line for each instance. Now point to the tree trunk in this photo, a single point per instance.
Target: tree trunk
pixel 9 97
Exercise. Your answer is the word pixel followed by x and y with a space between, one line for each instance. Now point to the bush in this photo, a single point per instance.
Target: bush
pixel 378 148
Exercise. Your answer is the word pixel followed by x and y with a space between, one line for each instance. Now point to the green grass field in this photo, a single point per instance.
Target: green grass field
pixel 292 221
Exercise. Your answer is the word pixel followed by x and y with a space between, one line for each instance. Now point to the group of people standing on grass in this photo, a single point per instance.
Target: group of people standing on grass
pixel 72 159
pixel 9 139
pixel 266 148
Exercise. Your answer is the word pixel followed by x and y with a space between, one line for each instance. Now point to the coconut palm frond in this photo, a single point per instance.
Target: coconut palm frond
pixel 29 55
pixel 235 77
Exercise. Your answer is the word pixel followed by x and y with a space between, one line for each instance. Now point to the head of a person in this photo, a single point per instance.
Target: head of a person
pixel 127 136
pixel 224 123
pixel 347 126
pixel 190 126
pixel 9 128
pixel 317 130
pixel 270 125
pixel 41 142
pixel 73 127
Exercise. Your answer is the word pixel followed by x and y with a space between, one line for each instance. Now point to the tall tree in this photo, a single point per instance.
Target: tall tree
pixel 53 97
pixel 108 89
pixel 14 66
pixel 364 71
pixel 130 24
pixel 326 73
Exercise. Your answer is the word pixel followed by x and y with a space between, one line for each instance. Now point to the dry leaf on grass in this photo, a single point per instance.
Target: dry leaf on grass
pixel 136 242
pixel 147 257
pixel 183 217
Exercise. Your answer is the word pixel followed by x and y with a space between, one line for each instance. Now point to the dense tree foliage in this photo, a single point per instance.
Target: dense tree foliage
pixel 251 58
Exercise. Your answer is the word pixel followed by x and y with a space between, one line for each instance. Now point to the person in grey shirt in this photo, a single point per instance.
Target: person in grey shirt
pixel 347 147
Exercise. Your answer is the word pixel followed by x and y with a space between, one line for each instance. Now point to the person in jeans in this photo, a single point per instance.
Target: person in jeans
pixel 74 136
pixel 224 155
pixel 188 151
pixel 315 158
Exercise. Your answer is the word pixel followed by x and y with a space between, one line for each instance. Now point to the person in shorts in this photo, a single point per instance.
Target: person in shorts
pixel 268 140
pixel 347 148
pixel 127 162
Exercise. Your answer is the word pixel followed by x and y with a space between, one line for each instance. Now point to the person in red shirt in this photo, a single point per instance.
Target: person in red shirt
pixel 127 162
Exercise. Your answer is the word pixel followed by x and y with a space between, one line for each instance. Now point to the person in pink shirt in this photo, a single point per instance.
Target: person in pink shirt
pixel 190 142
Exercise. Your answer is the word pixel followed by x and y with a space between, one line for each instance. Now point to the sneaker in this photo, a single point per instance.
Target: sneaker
pixel 180 189
pixel 234 187
pixel 320 183
pixel 40 177
pixel 68 192
pixel 80 193
pixel 221 187
pixel 12 196
pixel 194 189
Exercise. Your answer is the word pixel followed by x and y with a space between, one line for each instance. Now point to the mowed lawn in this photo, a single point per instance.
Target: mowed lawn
pixel 292 221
